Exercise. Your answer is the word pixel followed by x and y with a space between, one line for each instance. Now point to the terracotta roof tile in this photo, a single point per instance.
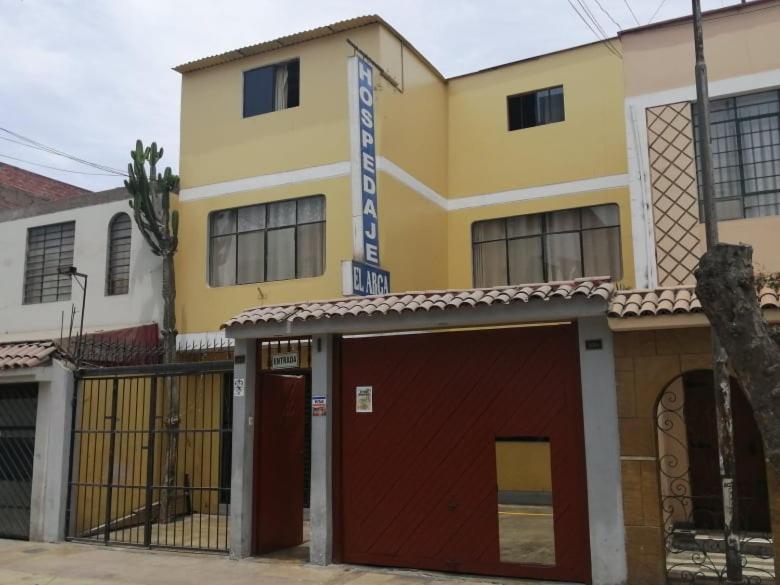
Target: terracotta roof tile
pixel 25 355
pixel 671 301
pixel 422 301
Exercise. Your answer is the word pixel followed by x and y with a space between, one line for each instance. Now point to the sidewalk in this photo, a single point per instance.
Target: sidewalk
pixel 34 563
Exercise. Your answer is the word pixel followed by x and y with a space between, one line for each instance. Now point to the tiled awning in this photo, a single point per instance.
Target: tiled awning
pixel 422 302
pixel 25 355
pixel 671 301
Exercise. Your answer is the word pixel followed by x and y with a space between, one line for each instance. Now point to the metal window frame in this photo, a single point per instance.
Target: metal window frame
pixel 273 66
pixel 64 285
pixel 265 230
pixel 535 93
pixel 731 105
pixel 543 234
pixel 110 268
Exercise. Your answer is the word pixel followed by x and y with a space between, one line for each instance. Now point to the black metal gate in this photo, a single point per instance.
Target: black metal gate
pixel 18 405
pixel 150 456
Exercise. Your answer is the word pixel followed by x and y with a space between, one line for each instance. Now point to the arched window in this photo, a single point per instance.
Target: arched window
pixel 118 264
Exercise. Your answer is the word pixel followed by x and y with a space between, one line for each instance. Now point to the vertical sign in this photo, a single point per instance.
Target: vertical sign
pixel 367 165
pixel 363 275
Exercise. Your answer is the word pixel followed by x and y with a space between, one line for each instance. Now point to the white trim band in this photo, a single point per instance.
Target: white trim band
pixel 343 169
pixel 318 173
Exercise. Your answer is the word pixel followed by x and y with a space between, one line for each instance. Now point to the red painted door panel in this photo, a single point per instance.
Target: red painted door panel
pixel 418 474
pixel 278 472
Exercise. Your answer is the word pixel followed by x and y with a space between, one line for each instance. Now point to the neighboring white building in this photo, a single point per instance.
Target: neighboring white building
pixel 95 233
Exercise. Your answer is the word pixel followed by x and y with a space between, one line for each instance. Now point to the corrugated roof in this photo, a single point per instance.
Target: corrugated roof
pixel 421 301
pixel 25 355
pixel 671 301
pixel 297 38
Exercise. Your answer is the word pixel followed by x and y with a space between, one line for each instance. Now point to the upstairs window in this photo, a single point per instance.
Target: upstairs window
pixel 48 248
pixel 271 88
pixel 535 108
pixel 745 155
pixel 546 247
pixel 272 241
pixel 118 262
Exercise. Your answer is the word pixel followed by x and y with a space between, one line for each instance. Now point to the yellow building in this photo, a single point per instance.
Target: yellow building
pixel 508 175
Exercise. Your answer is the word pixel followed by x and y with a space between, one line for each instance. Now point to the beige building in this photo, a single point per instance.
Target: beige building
pixel 672 502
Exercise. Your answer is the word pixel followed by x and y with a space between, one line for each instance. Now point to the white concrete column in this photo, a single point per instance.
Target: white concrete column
pixel 244 384
pixel 59 421
pixel 602 452
pixel 321 505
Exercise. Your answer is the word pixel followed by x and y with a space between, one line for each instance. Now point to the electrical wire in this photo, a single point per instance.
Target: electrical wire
pixel 631 10
pixel 604 10
pixel 29 162
pixel 661 5
pixel 30 143
pixel 607 44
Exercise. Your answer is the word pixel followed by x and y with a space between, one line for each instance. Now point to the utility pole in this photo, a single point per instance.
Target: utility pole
pixel 719 365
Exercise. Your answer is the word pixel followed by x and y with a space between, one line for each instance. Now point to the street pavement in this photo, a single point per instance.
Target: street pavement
pixel 34 563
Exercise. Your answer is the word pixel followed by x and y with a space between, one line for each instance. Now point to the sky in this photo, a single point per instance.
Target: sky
pixel 89 77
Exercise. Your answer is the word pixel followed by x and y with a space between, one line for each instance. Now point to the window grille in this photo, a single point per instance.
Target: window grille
pixel 48 248
pixel 118 268
pixel 745 155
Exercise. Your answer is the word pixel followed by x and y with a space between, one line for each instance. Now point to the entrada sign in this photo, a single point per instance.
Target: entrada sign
pixel 281 361
pixel 363 275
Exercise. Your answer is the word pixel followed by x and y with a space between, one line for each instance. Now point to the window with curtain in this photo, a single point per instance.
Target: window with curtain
pixel 545 247
pixel 535 108
pixel 267 242
pixel 49 247
pixel 118 261
pixel 745 155
pixel 271 88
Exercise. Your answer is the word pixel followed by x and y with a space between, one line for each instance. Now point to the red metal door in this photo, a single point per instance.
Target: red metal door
pixel 278 470
pixel 418 473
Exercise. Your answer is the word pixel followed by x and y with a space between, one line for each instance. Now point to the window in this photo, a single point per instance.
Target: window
pixel 272 241
pixel 271 88
pixel 544 247
pixel 48 248
pixel 118 262
pixel 535 108
pixel 745 155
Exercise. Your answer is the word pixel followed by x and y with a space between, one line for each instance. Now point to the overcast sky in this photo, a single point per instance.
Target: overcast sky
pixel 88 77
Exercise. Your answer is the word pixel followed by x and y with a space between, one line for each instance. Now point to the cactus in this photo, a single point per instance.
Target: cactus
pixel 158 224
pixel 151 205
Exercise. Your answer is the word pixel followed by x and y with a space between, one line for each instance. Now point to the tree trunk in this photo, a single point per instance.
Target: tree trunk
pixel 725 286
pixel 171 396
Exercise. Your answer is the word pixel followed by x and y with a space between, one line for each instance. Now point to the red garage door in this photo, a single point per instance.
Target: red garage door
pixel 464 452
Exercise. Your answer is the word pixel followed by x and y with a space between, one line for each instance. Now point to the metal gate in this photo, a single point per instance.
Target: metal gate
pixel 18 405
pixel 150 456
pixel 691 500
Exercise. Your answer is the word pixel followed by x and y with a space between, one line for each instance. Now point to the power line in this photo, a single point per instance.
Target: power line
pixel 584 19
pixel 631 10
pixel 604 10
pixel 29 162
pixel 30 143
pixel 661 5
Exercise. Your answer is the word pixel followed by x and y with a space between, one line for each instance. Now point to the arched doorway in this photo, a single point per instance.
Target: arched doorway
pixel 689 477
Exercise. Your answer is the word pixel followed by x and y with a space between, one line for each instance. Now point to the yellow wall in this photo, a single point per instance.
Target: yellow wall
pixel 485 157
pixel 523 466
pixel 459 231
pixel 451 136
pixel 201 307
pixel 218 144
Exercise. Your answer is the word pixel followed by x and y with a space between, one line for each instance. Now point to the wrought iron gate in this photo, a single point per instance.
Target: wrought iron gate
pixel 693 514
pixel 150 456
pixel 18 405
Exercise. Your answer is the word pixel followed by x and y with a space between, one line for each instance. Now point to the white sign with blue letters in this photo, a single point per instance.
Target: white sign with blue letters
pixel 363 275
